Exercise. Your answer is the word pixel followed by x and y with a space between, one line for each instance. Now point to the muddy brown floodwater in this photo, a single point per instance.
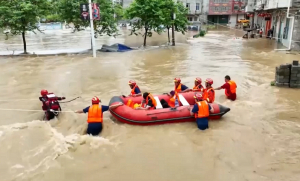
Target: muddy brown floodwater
pixel 258 140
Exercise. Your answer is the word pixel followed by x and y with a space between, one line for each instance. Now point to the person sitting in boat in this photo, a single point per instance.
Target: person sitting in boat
pixel 172 101
pixel 198 85
pixel 230 88
pixel 209 93
pixel 95 115
pixel 179 88
pixel 201 111
pixel 135 90
pixel 149 102
pixel 50 104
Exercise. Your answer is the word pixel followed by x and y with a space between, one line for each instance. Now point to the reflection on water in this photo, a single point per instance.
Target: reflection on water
pixel 257 140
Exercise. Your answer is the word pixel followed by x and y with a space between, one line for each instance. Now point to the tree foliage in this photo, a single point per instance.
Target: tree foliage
pixel 21 16
pixel 152 15
pixel 147 15
pixel 69 11
pixel 119 12
pixel 181 20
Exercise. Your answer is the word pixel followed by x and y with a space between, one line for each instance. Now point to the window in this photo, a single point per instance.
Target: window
pixel 190 18
pixel 188 6
pixel 216 1
pixel 236 7
pixel 197 6
pixel 217 8
pixel 195 19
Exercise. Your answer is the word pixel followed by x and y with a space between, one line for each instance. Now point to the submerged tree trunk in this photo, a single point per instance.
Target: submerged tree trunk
pixel 168 28
pixel 24 42
pixel 145 36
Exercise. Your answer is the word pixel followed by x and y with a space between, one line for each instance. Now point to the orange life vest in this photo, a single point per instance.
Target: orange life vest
pixel 132 90
pixel 232 88
pixel 177 89
pixel 172 101
pixel 153 101
pixel 203 110
pixel 206 95
pixel 95 114
pixel 130 103
pixel 198 88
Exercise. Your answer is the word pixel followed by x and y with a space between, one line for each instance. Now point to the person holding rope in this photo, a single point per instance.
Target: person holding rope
pixel 95 115
pixel 50 104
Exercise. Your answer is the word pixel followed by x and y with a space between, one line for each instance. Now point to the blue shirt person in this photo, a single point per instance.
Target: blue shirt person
pixel 202 121
pixel 95 115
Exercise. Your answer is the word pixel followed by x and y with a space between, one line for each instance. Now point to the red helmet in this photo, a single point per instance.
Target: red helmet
pixel 209 81
pixel 95 100
pixel 44 92
pixel 198 96
pixel 177 79
pixel 132 82
pixel 199 80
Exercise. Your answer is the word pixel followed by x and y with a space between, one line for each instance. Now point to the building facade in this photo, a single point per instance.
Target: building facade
pixel 226 11
pixel 279 15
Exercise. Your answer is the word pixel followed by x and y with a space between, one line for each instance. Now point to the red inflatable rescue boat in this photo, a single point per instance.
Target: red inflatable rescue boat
pixel 160 115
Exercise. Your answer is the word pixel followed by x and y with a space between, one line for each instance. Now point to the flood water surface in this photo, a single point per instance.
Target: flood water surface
pixel 257 140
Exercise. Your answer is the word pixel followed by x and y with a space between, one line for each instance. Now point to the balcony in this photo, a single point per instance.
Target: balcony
pixel 197 11
pixel 194 12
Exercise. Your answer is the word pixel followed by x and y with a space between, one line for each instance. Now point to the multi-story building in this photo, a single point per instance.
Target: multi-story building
pixel 226 11
pixel 281 16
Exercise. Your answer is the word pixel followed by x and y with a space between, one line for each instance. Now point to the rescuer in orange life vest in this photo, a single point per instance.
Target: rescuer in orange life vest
pixel 95 115
pixel 198 85
pixel 149 102
pixel 201 111
pixel 135 90
pixel 171 103
pixel 209 93
pixel 179 88
pixel 230 88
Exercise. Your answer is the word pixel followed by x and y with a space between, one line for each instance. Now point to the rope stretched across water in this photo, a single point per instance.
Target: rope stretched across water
pixel 12 100
pixel 31 110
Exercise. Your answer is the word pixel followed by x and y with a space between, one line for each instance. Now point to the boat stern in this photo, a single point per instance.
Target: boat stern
pixel 115 99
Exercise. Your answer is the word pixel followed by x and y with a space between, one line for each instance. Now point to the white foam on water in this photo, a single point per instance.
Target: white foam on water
pixel 43 156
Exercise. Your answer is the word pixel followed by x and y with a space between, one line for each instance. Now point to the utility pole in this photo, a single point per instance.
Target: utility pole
pixel 173 30
pixel 92 29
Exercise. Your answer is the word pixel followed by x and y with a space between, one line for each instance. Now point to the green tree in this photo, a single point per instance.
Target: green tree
pixel 69 11
pixel 21 16
pixel 180 22
pixel 119 12
pixel 146 15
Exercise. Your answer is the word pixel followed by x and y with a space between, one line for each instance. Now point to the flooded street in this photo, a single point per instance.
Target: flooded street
pixel 258 140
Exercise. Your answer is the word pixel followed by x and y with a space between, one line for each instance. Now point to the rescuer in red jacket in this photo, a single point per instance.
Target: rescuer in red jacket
pixel 50 104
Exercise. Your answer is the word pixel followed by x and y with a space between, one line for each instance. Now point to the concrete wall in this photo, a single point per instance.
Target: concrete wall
pixel 205 6
pixel 296 35
pixel 126 3
pixel 250 6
